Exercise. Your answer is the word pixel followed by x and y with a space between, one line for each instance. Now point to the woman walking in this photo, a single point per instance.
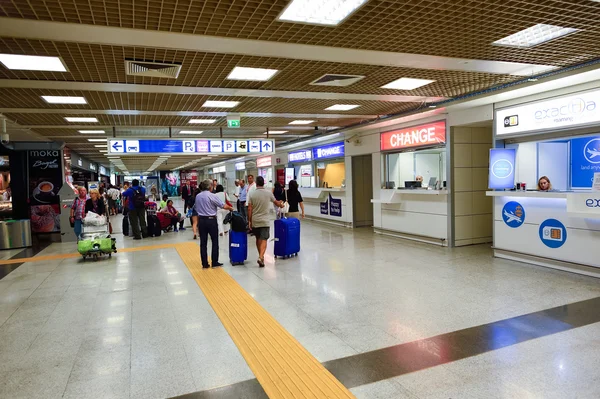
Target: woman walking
pixel 221 213
pixel 294 198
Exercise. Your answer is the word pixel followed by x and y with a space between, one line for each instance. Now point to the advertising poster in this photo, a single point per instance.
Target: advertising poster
pixel 502 168
pixel 189 177
pixel 45 180
pixel 169 183
pixel 585 161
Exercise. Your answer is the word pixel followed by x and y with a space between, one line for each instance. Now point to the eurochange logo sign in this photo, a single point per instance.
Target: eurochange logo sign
pixel 416 136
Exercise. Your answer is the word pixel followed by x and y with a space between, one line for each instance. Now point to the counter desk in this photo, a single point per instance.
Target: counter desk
pixel 417 214
pixel 553 229
pixel 326 204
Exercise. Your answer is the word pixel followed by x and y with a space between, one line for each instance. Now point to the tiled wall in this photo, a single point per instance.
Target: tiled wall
pixel 473 211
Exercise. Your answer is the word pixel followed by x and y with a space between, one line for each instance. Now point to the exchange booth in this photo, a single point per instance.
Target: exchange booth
pixel 545 177
pixel 321 175
pixel 413 198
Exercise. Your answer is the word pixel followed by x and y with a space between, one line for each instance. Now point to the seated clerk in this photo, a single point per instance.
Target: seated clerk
pixel 544 184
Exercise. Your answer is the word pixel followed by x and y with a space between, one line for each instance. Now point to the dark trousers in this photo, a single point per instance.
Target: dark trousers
pixel 137 220
pixel 174 222
pixel 242 209
pixel 206 227
pixel 185 205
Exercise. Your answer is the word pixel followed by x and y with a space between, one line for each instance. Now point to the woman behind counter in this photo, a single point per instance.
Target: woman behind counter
pixel 544 184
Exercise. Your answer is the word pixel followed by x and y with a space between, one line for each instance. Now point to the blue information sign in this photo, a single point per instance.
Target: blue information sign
pixel 553 233
pixel 502 168
pixel 329 151
pixel 136 146
pixel 513 214
pixel 585 161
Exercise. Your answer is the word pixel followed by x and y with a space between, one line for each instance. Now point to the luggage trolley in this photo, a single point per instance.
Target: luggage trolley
pixel 96 241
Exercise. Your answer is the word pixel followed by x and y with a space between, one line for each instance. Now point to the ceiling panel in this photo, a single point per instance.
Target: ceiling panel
pixel 451 28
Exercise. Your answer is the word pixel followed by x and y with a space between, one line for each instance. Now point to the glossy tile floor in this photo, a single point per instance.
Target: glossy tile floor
pixel 138 325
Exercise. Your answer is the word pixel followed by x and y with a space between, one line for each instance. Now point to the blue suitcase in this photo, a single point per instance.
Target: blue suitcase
pixel 287 237
pixel 238 247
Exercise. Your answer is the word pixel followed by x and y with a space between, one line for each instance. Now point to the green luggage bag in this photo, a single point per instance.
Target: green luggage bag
pixel 106 245
pixel 84 246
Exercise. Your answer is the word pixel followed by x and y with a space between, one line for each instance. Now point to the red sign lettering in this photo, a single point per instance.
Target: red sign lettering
pixel 416 136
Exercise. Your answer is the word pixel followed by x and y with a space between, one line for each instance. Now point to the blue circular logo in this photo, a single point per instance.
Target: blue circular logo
pixel 502 168
pixel 553 233
pixel 591 151
pixel 513 214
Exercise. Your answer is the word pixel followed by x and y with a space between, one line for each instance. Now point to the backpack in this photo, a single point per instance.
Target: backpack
pixel 238 222
pixel 139 199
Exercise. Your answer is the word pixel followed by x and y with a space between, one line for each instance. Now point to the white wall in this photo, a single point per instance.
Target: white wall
pixel 526 165
pixel 553 161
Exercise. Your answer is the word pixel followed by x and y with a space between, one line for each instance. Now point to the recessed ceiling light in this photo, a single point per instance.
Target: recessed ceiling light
pixel 324 12
pixel 534 35
pixel 277 131
pixel 79 119
pixel 407 84
pixel 32 63
pixel 253 74
pixel 191 131
pixel 104 151
pixel 91 131
pixel 100 146
pixel 220 104
pixel 64 100
pixel 300 122
pixel 341 107
pixel 96 140
pixel 202 121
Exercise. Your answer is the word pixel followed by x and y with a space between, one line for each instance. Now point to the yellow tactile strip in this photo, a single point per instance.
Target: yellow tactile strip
pixel 282 366
pixel 76 255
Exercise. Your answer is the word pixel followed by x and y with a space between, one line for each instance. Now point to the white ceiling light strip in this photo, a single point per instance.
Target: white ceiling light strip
pixel 534 35
pixel 320 12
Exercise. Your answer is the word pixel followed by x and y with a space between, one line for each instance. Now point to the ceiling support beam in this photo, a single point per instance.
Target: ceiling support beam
pixel 80 33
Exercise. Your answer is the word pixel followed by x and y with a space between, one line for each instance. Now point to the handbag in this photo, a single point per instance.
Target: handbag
pixel 227 200
pixel 286 204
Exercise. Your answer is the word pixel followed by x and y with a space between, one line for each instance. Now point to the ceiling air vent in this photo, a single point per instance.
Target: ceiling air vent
pixel 152 69
pixel 337 80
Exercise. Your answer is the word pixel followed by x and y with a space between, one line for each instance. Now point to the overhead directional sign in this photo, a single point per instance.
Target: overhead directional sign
pixel 187 147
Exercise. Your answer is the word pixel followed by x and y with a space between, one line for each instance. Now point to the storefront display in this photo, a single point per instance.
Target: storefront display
pixel 45 180
pixel 322 166
pixel 189 177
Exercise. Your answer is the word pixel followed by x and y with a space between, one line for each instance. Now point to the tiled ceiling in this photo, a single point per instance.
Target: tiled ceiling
pixel 444 28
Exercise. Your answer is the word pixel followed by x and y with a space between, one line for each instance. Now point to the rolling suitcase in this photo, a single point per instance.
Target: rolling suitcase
pixel 287 237
pixel 154 228
pixel 126 226
pixel 238 247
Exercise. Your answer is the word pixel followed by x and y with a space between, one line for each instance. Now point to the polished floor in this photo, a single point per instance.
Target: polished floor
pixel 387 318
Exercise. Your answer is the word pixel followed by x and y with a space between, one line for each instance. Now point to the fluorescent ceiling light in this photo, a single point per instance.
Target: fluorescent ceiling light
pixel 32 63
pixel 323 12
pixel 96 140
pixel 191 131
pixel 277 131
pixel 407 84
pixel 254 74
pixel 202 121
pixel 300 122
pixel 534 35
pixel 92 131
pixel 104 151
pixel 220 104
pixel 64 100
pixel 100 146
pixel 341 107
pixel 79 119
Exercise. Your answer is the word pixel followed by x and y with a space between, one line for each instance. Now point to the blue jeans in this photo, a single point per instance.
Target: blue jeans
pixel 77 228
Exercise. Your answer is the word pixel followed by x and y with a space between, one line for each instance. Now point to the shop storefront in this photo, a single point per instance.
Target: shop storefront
pixel 545 176
pixel 84 172
pixel 413 200
pixel 104 175
pixel 264 165
pixel 5 189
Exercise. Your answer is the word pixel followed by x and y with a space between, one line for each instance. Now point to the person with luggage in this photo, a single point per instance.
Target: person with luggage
pixel 95 203
pixel 294 199
pixel 78 211
pixel 259 206
pixel 207 204
pixel 113 196
pixel 174 215
pixel 186 194
pixel 194 215
pixel 221 213
pixel 279 193
pixel 236 194
pixel 136 198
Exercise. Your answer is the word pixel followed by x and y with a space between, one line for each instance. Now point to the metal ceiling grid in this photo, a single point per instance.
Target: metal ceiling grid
pixel 462 29
pixel 106 64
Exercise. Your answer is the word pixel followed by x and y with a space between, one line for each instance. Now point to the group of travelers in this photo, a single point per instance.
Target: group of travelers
pixel 206 206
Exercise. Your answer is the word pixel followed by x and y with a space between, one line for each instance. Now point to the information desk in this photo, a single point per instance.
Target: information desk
pixel 418 214
pixel 553 229
pixel 326 204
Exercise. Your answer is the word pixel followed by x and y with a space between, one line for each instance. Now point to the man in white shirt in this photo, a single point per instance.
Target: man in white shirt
pixel 236 193
pixel 251 188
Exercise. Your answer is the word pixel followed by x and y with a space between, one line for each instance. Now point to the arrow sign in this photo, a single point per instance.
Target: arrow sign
pixel 266 146
pixel 117 146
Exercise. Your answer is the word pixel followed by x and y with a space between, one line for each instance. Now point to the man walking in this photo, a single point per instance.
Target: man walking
pixel 243 199
pixel 136 197
pixel 259 205
pixel 186 193
pixel 207 204
pixel 236 194
pixel 251 187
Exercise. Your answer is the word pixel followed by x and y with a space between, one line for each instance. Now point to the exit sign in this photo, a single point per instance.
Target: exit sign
pixel 233 123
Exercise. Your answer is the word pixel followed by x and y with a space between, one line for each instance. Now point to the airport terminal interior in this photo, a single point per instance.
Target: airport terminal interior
pixel 434 221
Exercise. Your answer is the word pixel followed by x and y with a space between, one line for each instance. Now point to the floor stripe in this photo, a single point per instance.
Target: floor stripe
pixel 394 361
pixel 282 366
pixel 77 255
pixel 36 248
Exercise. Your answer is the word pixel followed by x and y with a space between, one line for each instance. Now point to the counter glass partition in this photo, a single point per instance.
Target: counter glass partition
pixel 402 169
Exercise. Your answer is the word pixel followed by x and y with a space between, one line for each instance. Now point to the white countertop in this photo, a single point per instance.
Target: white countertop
pixel 317 192
pixel 530 194
pixel 394 196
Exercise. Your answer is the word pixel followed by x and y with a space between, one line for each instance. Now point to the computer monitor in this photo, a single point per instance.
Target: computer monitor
pixel 390 185
pixel 412 184
pixel 432 182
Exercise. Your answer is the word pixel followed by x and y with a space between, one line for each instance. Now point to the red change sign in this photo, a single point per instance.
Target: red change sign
pixel 416 136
